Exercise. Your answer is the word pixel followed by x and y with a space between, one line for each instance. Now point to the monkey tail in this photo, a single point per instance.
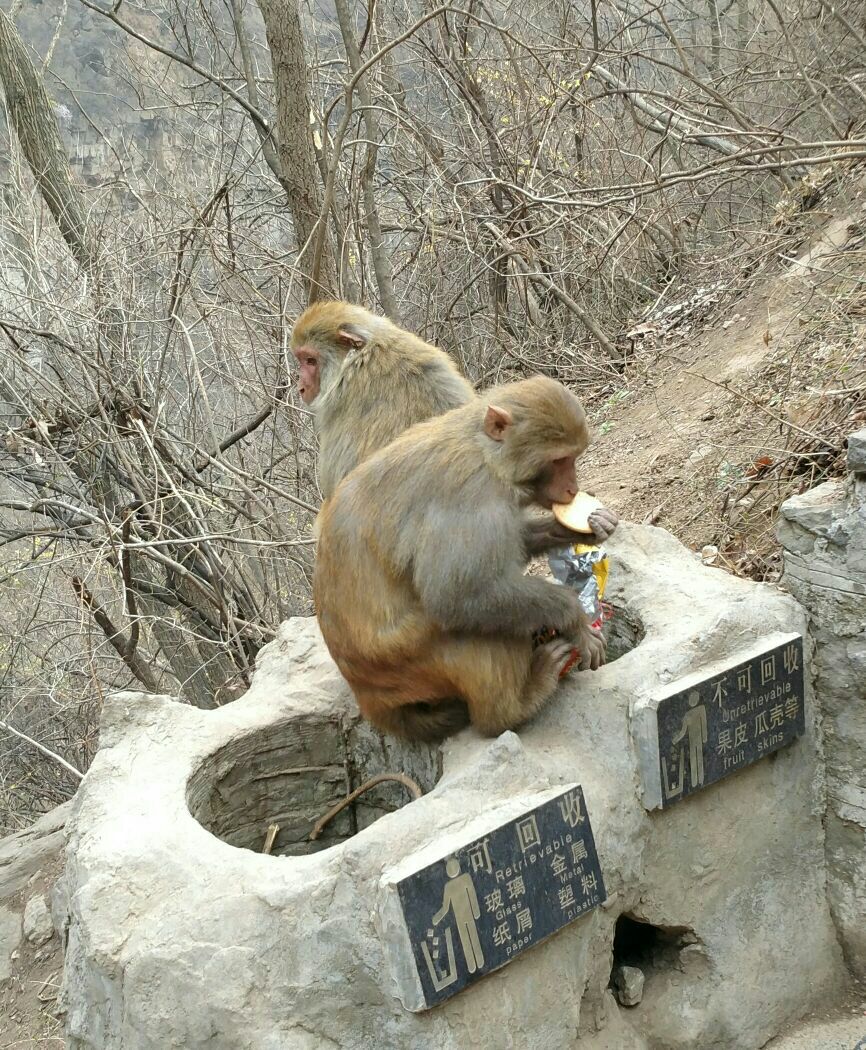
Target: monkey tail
pixel 429 722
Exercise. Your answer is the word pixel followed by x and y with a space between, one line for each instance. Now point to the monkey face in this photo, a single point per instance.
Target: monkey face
pixel 307 357
pixel 556 483
pixel 540 442
pixel 322 337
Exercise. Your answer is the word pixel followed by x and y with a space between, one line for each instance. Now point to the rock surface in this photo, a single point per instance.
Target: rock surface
pixel 22 855
pixel 183 935
pixel 38 927
pixel 841 1028
pixel 824 536
pixel 10 938
pixel 857 452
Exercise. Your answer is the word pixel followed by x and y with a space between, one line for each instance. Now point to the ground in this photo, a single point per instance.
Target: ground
pixel 842 1028
pixel 28 1000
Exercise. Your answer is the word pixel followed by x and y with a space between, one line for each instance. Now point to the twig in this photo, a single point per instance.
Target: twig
pixel 779 419
pixel 129 590
pixel 114 636
pixel 41 747
pixel 400 778
pixel 273 831
pixel 256 115
pixel 293 772
pixel 339 137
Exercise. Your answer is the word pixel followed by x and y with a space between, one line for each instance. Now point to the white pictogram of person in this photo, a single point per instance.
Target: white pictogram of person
pixel 460 898
pixel 694 725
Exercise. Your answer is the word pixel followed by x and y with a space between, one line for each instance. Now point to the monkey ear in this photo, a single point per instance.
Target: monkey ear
pixel 496 422
pixel 352 336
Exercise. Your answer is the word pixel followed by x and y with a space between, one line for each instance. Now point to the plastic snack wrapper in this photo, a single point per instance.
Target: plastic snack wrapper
pixel 584 567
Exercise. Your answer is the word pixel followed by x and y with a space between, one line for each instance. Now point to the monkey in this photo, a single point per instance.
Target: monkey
pixel 419 586
pixel 367 381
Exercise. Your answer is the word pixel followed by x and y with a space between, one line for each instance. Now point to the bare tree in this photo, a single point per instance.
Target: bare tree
pixel 378 249
pixel 116 471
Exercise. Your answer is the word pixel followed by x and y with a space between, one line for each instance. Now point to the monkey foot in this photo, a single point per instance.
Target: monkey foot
pixel 548 634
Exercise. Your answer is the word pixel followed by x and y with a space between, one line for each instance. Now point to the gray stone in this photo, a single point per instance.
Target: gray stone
pixel 28 851
pixel 701 453
pixel 38 927
pixel 59 902
pixel 182 934
pixel 10 938
pixel 856 556
pixel 857 452
pixel 693 959
pixel 828 577
pixel 816 510
pixel 628 982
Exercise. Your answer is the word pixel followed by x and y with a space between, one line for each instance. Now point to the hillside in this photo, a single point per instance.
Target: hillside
pixel 746 399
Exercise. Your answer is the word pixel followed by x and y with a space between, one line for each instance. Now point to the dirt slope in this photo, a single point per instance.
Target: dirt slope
pixel 725 415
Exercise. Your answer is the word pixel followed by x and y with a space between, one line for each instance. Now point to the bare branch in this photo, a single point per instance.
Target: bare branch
pixel 114 636
pixel 42 749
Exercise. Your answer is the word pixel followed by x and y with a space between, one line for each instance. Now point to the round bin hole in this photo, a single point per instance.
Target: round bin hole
pixel 291 773
pixel 623 631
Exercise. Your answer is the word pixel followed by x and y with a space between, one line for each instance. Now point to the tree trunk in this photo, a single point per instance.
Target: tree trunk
pixel 32 116
pixel 294 138
pixel 378 251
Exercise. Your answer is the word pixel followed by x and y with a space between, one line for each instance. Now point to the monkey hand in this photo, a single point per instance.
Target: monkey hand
pixel 592 648
pixel 603 523
pixel 542 532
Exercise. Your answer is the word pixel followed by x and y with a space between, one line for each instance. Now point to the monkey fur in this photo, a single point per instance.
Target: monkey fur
pixel 368 380
pixel 419 583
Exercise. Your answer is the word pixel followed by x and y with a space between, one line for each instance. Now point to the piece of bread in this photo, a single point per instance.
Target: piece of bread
pixel 575 515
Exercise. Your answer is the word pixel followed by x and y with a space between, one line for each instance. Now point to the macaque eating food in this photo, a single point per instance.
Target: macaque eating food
pixel 419 584
pixel 582 514
pixel 582 565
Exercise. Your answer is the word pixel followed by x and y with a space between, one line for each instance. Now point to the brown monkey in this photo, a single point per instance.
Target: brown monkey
pixel 368 380
pixel 419 585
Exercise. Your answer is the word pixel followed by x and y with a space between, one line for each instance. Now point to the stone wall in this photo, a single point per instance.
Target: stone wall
pixel 824 536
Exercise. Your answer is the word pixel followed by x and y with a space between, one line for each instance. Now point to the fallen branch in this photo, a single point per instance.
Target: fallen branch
pixel 399 778
pixel 41 747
